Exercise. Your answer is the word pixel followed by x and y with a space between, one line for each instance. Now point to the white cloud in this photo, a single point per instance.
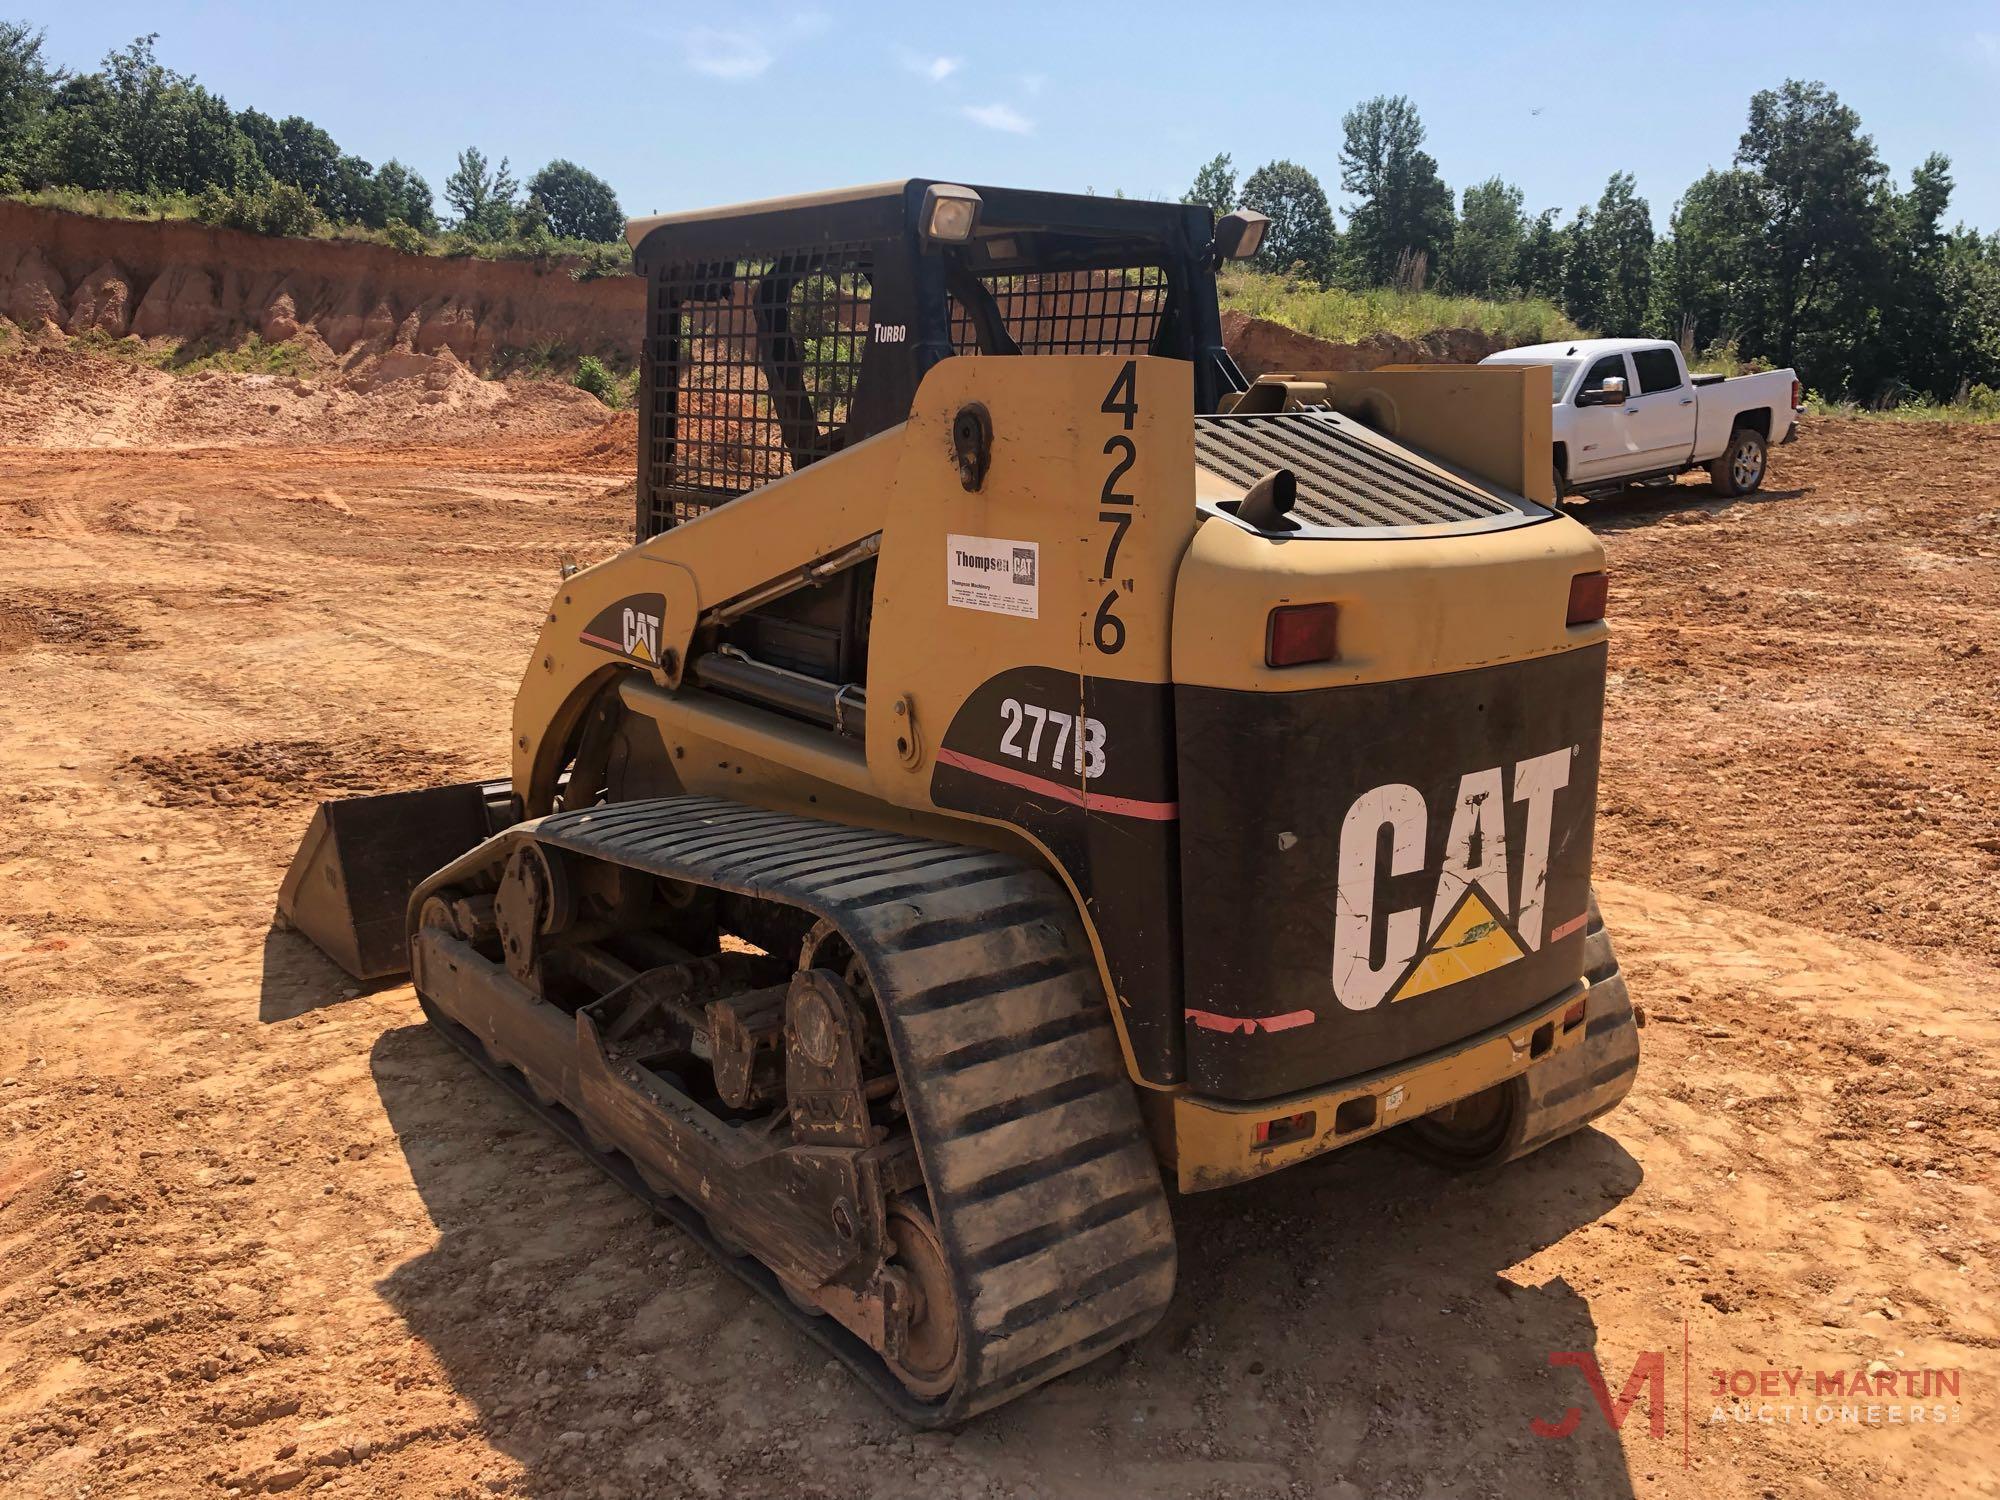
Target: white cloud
pixel 1000 117
pixel 936 69
pixel 731 55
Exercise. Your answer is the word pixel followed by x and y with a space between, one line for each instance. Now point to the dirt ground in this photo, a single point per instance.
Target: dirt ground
pixel 260 1232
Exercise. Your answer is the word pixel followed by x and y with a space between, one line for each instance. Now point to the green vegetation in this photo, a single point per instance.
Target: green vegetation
pixel 592 376
pixel 253 356
pixel 1803 253
pixel 1979 403
pixel 1343 315
pixel 137 140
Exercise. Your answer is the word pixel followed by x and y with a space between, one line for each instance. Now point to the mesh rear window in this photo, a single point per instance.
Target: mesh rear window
pixel 755 366
pixel 1072 312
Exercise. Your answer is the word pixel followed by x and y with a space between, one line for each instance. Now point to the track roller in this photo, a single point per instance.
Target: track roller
pixel 905 1120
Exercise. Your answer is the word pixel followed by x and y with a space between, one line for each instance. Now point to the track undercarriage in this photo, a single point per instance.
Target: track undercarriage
pixel 876 1072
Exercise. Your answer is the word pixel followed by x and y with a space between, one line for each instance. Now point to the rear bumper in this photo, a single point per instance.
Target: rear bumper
pixel 1214 1141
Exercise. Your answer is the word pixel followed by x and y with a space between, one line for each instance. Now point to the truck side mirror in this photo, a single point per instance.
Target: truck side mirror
pixel 1611 393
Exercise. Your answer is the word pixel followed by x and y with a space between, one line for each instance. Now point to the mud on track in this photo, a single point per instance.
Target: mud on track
pixel 259 1232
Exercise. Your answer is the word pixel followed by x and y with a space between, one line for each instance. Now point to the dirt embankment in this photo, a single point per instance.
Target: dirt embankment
pixel 346 300
pixel 1261 347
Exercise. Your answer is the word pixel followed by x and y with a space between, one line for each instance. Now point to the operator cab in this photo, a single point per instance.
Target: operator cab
pixel 784 331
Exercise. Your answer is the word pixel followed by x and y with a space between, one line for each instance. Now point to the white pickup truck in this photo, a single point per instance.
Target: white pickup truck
pixel 1627 410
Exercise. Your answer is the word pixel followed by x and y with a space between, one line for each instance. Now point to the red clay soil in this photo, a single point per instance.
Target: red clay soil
pixel 262 1233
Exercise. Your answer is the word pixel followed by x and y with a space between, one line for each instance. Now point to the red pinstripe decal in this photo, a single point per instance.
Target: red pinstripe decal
pixel 1568 927
pixel 1130 807
pixel 590 640
pixel 1208 1020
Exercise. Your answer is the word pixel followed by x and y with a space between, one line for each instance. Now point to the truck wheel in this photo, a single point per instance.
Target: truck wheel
pixel 1740 469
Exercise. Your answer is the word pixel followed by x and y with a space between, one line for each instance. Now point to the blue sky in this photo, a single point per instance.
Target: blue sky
pixel 685 105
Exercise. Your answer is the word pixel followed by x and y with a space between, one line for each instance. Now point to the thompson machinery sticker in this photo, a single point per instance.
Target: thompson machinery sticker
pixel 989 573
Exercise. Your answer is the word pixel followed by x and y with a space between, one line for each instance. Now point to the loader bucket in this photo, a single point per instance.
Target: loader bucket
pixel 349 885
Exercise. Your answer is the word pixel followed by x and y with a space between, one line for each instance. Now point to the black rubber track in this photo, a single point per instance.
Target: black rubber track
pixel 1042 1184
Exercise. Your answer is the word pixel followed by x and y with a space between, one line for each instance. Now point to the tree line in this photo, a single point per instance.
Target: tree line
pixel 136 126
pixel 1804 251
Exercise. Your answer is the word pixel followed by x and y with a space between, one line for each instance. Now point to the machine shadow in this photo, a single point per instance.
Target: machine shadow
pixel 1353 1326
pixel 298 978
pixel 1645 505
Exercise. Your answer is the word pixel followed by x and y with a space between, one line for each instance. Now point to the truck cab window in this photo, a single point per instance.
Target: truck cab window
pixel 1658 370
pixel 1611 367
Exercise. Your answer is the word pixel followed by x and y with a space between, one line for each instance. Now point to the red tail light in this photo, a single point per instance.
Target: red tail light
pixel 1283 1130
pixel 1302 633
pixel 1586 598
pixel 1795 395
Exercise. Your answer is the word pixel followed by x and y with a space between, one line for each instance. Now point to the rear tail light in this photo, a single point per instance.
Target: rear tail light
pixel 1283 1130
pixel 1586 598
pixel 1302 633
pixel 1795 395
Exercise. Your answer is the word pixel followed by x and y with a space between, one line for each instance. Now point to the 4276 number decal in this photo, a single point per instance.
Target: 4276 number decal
pixel 1116 508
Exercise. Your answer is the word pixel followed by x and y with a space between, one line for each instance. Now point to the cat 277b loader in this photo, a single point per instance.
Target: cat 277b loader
pixel 1018 756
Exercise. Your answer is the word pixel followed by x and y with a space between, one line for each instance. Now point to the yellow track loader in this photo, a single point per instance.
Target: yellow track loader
pixel 1019 766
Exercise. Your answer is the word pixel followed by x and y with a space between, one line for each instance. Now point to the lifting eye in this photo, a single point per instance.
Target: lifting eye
pixel 972 444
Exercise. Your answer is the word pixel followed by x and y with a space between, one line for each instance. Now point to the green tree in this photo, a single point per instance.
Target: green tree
pixel 1820 191
pixel 1969 292
pixel 1215 185
pixel 1486 246
pixel 482 196
pixel 297 151
pixel 138 126
pixel 80 142
pixel 1711 273
pixel 404 197
pixel 1301 231
pixel 1607 263
pixel 353 197
pixel 1621 229
pixel 27 89
pixel 1538 265
pixel 1915 347
pixel 1405 207
pixel 576 205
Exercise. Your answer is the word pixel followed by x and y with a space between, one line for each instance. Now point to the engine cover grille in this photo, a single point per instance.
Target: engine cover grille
pixel 1351 481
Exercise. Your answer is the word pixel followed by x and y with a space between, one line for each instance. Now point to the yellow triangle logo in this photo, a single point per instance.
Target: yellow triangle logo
pixel 639 650
pixel 1472 941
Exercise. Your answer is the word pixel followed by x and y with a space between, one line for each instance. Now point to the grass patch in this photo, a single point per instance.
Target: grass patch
pixel 615 389
pixel 545 359
pixel 1978 404
pixel 110 205
pixel 1343 316
pixel 251 357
